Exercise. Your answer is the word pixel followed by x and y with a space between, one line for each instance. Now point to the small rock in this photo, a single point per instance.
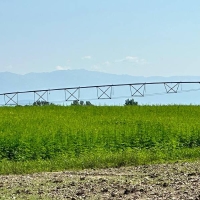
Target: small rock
pixel 153 175
pixel 192 174
pixel 165 184
pixel 133 190
pixel 57 180
pixel 82 178
pixel 141 190
pixel 72 183
pixel 17 192
pixel 80 192
pixel 102 180
pixel 104 190
pixel 127 191
pixel 113 194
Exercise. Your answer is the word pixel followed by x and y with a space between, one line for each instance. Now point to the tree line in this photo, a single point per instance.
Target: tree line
pixel 128 102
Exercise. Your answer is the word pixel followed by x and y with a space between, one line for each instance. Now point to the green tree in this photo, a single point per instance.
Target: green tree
pixel 81 103
pixel 88 103
pixel 131 102
pixel 75 103
pixel 42 103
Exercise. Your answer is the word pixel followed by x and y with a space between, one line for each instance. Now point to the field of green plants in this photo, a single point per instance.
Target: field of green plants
pixel 50 138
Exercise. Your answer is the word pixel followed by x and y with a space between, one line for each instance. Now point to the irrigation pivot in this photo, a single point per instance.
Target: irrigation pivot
pixel 103 91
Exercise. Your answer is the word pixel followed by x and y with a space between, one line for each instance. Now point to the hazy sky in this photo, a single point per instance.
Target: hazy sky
pixel 135 37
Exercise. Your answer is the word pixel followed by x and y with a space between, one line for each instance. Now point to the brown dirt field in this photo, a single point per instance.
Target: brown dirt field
pixel 161 181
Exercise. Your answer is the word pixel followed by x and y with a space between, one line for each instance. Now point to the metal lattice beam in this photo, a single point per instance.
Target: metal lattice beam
pixel 104 92
pixel 11 99
pixel 40 95
pixel 72 94
pixel 137 90
pixel 171 87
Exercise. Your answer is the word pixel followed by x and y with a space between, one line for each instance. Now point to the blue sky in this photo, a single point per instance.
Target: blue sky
pixel 135 37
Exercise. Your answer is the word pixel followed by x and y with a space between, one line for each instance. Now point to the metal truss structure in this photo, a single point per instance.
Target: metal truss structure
pixel 41 95
pixel 137 90
pixel 171 88
pixel 72 94
pixel 103 91
pixel 11 99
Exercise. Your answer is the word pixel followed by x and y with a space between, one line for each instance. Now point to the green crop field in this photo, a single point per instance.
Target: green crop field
pixel 50 138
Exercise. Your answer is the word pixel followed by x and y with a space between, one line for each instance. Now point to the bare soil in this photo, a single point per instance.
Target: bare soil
pixel 161 181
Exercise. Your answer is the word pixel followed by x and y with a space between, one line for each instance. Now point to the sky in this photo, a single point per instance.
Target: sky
pixel 134 37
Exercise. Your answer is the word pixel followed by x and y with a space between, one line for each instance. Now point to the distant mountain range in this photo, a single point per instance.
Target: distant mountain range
pixel 10 82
